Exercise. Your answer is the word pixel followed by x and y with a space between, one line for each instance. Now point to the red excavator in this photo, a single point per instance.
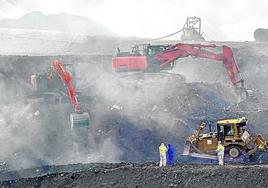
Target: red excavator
pixel 54 87
pixel 154 58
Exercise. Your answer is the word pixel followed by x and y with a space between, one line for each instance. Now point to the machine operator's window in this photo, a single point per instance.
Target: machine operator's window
pixel 150 51
pixel 240 130
pixel 221 129
pixel 229 130
pixel 221 133
pixel 162 49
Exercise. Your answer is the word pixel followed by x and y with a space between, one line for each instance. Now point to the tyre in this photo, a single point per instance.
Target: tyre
pixel 233 152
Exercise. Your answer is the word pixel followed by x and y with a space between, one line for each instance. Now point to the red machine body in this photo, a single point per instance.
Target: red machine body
pixel 130 63
pixel 154 58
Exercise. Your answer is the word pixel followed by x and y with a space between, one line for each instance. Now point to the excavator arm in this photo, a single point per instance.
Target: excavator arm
pixel 78 118
pixel 67 80
pixel 181 50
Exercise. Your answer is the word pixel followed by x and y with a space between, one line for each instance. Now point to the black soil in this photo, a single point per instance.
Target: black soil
pixel 149 175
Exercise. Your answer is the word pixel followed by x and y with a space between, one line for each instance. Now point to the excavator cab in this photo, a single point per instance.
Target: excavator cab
pixel 154 49
pixel 145 50
pixel 153 63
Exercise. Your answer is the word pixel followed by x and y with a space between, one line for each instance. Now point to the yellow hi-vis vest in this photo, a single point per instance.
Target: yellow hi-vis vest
pixel 162 149
pixel 220 147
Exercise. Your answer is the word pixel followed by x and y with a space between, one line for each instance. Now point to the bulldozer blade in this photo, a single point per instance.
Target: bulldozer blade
pixel 203 156
pixel 79 120
pixel 186 150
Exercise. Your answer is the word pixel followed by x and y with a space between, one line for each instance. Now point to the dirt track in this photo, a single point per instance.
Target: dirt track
pixel 130 175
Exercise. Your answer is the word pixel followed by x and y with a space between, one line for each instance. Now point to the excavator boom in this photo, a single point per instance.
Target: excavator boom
pixel 181 50
pixel 78 118
pixel 67 80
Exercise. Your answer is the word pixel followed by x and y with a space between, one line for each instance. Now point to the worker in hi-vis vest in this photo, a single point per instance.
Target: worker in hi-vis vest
pixel 220 150
pixel 163 155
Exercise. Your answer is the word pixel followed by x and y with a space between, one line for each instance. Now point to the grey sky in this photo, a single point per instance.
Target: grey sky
pixel 221 19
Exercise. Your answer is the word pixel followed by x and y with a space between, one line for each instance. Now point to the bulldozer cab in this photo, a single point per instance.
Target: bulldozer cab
pixel 238 143
pixel 231 130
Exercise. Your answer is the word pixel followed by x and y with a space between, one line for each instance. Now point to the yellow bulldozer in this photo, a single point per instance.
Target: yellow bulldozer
pixel 232 133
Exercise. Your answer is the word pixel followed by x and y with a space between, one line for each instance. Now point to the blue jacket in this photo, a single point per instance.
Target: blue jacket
pixel 170 155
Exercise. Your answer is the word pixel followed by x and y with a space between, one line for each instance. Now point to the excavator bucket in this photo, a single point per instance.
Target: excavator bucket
pixel 79 120
pixel 244 93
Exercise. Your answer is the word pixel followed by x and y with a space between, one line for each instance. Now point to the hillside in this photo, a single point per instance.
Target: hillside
pixel 57 22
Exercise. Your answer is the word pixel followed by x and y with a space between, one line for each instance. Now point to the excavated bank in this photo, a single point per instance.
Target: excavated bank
pixel 148 175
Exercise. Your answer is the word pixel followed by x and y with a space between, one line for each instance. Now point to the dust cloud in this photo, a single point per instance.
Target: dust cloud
pixel 40 134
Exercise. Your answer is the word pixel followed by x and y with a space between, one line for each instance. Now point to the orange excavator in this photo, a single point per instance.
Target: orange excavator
pixel 55 85
pixel 154 58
